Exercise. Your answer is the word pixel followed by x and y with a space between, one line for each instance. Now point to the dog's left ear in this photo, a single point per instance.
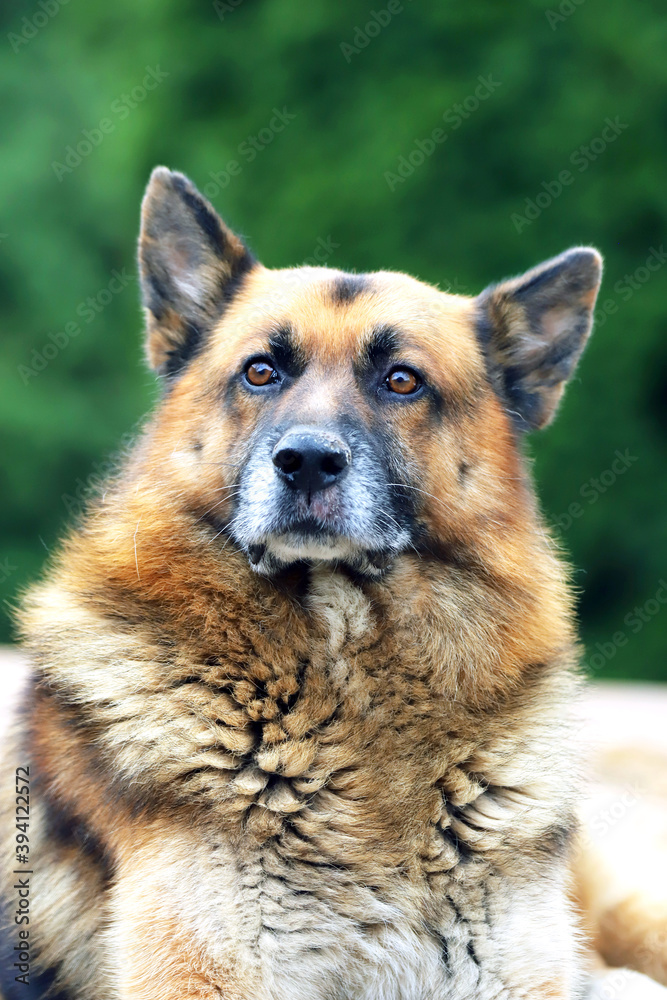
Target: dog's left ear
pixel 190 265
pixel 533 329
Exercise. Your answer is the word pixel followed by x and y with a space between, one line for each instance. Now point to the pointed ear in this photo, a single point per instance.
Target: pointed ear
pixel 533 329
pixel 190 266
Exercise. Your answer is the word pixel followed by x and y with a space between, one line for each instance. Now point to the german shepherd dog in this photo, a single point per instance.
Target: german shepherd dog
pixel 298 726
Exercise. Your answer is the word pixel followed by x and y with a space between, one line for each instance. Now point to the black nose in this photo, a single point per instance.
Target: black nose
pixel 309 459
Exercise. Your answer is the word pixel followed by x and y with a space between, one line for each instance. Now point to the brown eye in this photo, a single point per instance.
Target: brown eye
pixel 261 373
pixel 403 381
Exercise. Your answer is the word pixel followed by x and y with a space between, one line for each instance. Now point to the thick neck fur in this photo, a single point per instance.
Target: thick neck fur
pixel 304 678
pixel 480 616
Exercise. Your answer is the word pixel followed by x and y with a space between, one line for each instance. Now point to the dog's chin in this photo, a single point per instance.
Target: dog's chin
pixel 277 553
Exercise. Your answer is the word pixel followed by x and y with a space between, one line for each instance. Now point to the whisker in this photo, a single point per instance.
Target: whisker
pixel 217 504
pixel 219 489
pixel 225 465
pixel 217 535
pixel 427 494
pixel 136 560
pixel 386 514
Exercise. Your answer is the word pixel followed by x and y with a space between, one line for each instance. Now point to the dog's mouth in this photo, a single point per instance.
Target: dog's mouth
pixel 347 516
pixel 283 551
pixel 315 513
pixel 324 515
pixel 326 538
pixel 322 528
pixel 317 530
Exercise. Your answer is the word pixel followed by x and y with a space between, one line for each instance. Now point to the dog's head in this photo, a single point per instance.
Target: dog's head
pixel 318 415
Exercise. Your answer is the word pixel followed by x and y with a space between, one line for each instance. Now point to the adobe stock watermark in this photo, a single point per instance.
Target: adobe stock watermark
pixel 7 569
pixel 626 286
pixel 564 10
pixel 634 622
pixel 454 286
pixel 595 487
pixel 76 502
pixel 119 109
pixel 581 158
pixel 248 150
pixel 86 311
pixel 321 252
pixel 609 815
pixel 625 984
pixel 618 984
pixel 31 26
pixel 378 20
pixel 224 7
pixel 454 116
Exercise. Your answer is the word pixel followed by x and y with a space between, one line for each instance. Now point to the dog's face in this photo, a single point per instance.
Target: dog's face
pixel 335 389
pixel 314 415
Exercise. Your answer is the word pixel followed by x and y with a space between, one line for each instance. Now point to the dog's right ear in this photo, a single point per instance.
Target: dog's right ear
pixel 190 266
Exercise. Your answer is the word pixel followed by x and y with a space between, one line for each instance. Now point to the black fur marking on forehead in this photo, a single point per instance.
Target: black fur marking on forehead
pixel 383 343
pixel 344 290
pixel 288 355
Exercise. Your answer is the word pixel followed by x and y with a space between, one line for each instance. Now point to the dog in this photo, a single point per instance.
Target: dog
pixel 299 720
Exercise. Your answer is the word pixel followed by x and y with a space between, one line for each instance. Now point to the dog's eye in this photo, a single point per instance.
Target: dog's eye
pixel 403 381
pixel 261 373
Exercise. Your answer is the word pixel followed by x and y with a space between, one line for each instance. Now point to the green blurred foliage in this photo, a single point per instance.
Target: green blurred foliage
pixel 562 70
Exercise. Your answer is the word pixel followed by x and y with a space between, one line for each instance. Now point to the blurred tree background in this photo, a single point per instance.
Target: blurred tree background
pixel 554 121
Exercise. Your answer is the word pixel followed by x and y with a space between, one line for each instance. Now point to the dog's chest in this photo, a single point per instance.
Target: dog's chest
pixel 335 859
pixel 345 758
pixel 302 931
pixel 340 746
pixel 319 933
